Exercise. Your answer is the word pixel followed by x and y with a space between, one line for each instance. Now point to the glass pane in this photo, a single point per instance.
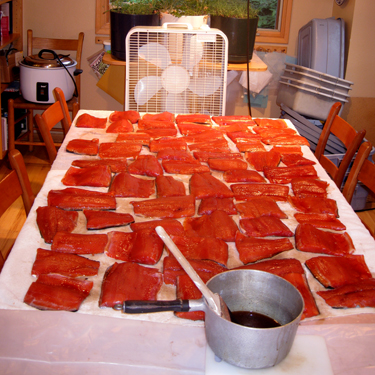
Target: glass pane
pixel 268 13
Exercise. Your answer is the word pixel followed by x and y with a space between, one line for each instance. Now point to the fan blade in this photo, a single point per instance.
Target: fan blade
pixel 192 51
pixel 205 86
pixel 146 88
pixel 156 54
pixel 175 103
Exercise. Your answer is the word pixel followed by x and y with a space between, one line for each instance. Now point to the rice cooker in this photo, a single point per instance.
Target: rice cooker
pixel 41 73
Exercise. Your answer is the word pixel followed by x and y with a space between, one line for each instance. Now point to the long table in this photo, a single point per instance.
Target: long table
pixel 98 339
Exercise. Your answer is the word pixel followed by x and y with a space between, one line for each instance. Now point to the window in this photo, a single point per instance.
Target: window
pixel 273 25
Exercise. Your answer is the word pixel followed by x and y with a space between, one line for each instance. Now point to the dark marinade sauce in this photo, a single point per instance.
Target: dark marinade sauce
pixel 253 319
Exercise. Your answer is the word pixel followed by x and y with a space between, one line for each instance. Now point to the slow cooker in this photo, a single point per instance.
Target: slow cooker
pixel 41 73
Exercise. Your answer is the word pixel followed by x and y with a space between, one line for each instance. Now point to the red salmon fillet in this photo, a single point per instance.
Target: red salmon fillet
pixel 125 185
pixel 143 246
pixel 217 145
pixel 265 226
pixel 132 116
pixel 271 123
pixel 241 175
pixel 99 176
pixel 333 272
pixel 205 155
pixel 171 207
pixel 190 128
pixel 243 136
pixel 140 138
pixel 79 199
pixel 119 150
pixel 284 175
pixel 287 150
pixel 225 120
pixel 159 133
pixel 251 146
pixel 327 221
pixel 87 121
pixel 184 167
pixel 155 124
pixel 56 292
pixel 181 155
pixel 116 166
pixel 227 164
pixel 129 281
pixel 262 206
pixel 247 191
pixel 51 220
pixel 98 219
pixel 146 165
pixel 271 132
pixel 216 225
pixel 77 243
pixel 208 135
pixel 197 117
pixel 260 159
pixel 203 185
pixel 167 186
pixel 171 226
pixel 83 146
pixel 52 262
pixel 294 160
pixel 164 116
pixel 168 144
pixel 278 267
pixel 209 205
pixel 252 249
pixel 286 140
pixel 120 126
pixel 309 187
pixel 311 239
pixel 312 205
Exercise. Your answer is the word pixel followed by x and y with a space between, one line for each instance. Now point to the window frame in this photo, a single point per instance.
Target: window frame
pixel 280 36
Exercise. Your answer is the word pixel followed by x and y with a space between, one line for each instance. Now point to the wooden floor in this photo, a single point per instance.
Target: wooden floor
pixel 38 166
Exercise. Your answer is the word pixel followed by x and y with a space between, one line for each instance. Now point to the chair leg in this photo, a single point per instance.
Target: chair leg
pixel 30 123
pixel 11 134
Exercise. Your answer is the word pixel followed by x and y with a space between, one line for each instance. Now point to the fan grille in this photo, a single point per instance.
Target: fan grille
pixel 190 66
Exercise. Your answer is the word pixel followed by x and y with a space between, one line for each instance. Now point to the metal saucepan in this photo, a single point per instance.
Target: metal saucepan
pixel 242 290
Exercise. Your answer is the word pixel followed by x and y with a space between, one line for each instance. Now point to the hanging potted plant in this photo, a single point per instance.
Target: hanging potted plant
pixel 193 12
pixel 126 14
pixel 230 16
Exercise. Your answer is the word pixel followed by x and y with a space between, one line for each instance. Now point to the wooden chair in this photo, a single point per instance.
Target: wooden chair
pixel 13 185
pixel 55 113
pixel 36 43
pixel 347 135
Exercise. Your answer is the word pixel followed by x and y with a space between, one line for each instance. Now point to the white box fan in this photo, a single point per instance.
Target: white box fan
pixel 176 68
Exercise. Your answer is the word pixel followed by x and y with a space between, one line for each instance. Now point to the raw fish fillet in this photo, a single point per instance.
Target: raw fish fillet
pixel 164 116
pixel 216 225
pixel 359 294
pixel 205 155
pixel 271 123
pixel 155 124
pixel 209 205
pixel 129 281
pixel 284 175
pixel 77 243
pixel 251 146
pixel 167 186
pixel 120 126
pixel 199 118
pixel 146 165
pixel 119 150
pixel 140 138
pixel 234 127
pixel 97 219
pixel 160 133
pixel 51 220
pixel 132 116
pixel 56 292
pixel 168 144
pixel 83 146
pixel 271 132
pixel 202 248
pixel 243 136
pixel 99 176
pixel 186 289
pixel 181 155
pixel 311 239
pixel 241 175
pixel 225 120
pixel 260 206
pixel 265 226
pixel 217 145
pixel 143 246
pixel 309 187
pixel 79 199
pixel 287 150
pixel 53 262
pixel 333 272
pixel 244 192
pixel 190 128
pixel 327 221
pixel 125 185
pixel 116 166
pixel 184 167
pixel 252 249
pixel 314 205
pixel 208 135
pixel 227 164
pixel 286 140
pixel 279 267
pixel 203 185
pixel 172 207
pixel 172 268
pixel 87 121
pixel 294 160
pixel 300 282
pixel 260 159
pixel 171 226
